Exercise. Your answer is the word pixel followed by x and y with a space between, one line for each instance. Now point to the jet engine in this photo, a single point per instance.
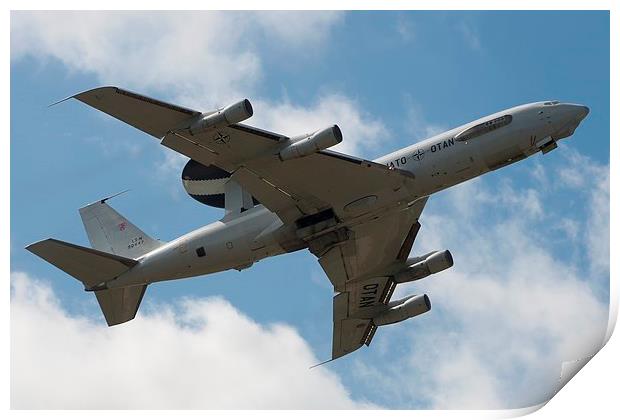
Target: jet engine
pixel 232 114
pixel 320 140
pixel 402 309
pixel 430 264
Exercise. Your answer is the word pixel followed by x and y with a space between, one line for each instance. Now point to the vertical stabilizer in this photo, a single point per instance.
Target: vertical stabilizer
pixel 109 231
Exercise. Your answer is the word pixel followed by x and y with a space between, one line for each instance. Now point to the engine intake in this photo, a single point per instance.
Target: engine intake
pixel 232 114
pixel 402 309
pixel 320 140
pixel 430 264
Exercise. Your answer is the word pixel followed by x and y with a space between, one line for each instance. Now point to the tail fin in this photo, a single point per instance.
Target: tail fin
pixel 93 267
pixel 108 231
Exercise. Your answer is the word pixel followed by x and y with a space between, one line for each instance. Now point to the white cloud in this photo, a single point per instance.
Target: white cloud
pixel 203 353
pixel 469 34
pixel 510 311
pixel 298 29
pixel 539 174
pixel 511 326
pixel 597 228
pixel 200 59
pixel 416 124
pixel 404 28
pixel 525 201
pixel 181 51
pixel 173 163
pixel 589 181
pixel 579 170
pixel 570 227
pixel 209 56
pixel 362 133
pixel 114 147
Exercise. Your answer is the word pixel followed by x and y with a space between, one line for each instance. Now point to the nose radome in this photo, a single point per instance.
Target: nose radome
pixel 580 111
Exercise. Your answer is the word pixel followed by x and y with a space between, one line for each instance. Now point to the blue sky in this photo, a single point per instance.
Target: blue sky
pixel 535 234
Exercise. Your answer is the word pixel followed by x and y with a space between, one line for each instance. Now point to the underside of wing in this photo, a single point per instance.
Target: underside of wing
pixel 369 248
pixel 350 332
pixel 146 114
pixel 361 267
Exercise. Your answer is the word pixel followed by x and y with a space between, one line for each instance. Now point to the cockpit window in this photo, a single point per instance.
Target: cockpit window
pixel 483 128
pixel 551 103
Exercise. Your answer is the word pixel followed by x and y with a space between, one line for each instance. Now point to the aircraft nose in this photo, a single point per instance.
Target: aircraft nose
pixel 568 118
pixel 583 112
pixel 579 111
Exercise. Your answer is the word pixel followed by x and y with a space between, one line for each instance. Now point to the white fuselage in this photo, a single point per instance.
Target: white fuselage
pixel 436 163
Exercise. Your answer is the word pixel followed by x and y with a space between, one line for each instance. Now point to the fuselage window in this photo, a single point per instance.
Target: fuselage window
pixel 483 128
pixel 201 251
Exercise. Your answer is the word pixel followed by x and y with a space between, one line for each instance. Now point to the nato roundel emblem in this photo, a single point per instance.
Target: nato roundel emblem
pixel 418 155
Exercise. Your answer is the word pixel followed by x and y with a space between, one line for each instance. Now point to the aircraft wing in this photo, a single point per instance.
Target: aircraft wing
pixel 146 114
pixel 360 269
pixel 325 183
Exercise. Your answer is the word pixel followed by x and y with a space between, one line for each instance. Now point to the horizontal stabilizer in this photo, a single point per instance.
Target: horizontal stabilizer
pixel 89 266
pixel 120 305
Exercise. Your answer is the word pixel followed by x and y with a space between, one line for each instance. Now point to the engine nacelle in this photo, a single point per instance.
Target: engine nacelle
pixel 431 264
pixel 402 309
pixel 232 114
pixel 320 140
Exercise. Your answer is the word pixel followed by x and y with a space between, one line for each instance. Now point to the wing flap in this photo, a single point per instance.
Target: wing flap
pixel 359 268
pixel 278 201
pixel 190 147
pixel 333 264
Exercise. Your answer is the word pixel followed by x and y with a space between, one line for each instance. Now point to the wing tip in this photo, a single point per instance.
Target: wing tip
pixel 77 95
pixel 59 102
pixel 322 363
pixel 32 247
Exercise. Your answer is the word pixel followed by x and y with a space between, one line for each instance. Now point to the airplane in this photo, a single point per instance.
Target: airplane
pixel 282 194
